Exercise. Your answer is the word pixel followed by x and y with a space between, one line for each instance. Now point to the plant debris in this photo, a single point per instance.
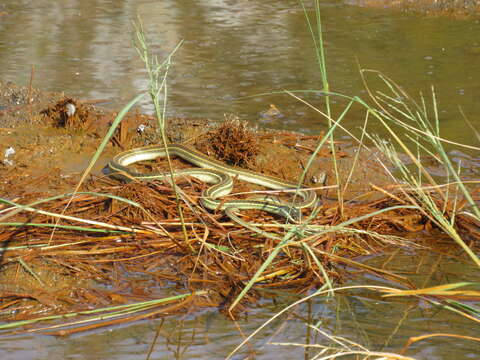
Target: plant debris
pixel 232 142
pixel 116 247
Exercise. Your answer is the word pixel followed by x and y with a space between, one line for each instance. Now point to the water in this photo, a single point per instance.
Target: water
pixel 234 49
pixel 362 316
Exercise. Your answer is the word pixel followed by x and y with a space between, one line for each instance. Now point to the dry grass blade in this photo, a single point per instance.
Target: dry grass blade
pixel 428 336
pixel 446 290
pixel 101 314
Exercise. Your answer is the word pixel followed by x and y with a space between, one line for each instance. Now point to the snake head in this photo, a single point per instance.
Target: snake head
pixel 290 213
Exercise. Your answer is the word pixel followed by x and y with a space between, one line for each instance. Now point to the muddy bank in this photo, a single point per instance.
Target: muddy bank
pixel 118 243
pixel 40 138
pixel 449 8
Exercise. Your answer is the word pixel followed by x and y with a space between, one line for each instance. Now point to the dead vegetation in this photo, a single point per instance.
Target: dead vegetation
pixel 105 240
pixel 119 244
pixel 46 271
pixel 232 142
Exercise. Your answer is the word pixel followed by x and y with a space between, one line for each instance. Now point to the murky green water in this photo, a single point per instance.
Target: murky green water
pixel 235 49
pixel 240 48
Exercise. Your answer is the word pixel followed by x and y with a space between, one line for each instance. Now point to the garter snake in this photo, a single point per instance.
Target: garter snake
pixel 217 173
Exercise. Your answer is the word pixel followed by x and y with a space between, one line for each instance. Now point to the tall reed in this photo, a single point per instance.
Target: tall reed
pixel 158 90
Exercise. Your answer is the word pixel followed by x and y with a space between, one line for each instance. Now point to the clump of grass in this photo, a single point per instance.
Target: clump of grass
pixel 441 203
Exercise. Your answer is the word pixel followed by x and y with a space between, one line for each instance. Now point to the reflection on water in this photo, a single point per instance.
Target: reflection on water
pixel 234 49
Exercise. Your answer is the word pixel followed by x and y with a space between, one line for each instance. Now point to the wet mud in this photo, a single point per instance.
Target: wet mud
pixel 94 250
pixel 445 8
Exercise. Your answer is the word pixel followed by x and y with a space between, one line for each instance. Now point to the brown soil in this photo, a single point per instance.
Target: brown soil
pixel 449 8
pixel 51 149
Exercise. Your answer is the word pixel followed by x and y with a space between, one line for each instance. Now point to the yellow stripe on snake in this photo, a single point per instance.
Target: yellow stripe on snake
pixel 220 175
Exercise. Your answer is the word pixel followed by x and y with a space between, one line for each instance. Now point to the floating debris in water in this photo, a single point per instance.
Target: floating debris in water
pixel 272 112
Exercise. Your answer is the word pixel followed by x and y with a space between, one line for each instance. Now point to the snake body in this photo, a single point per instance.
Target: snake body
pixel 217 173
